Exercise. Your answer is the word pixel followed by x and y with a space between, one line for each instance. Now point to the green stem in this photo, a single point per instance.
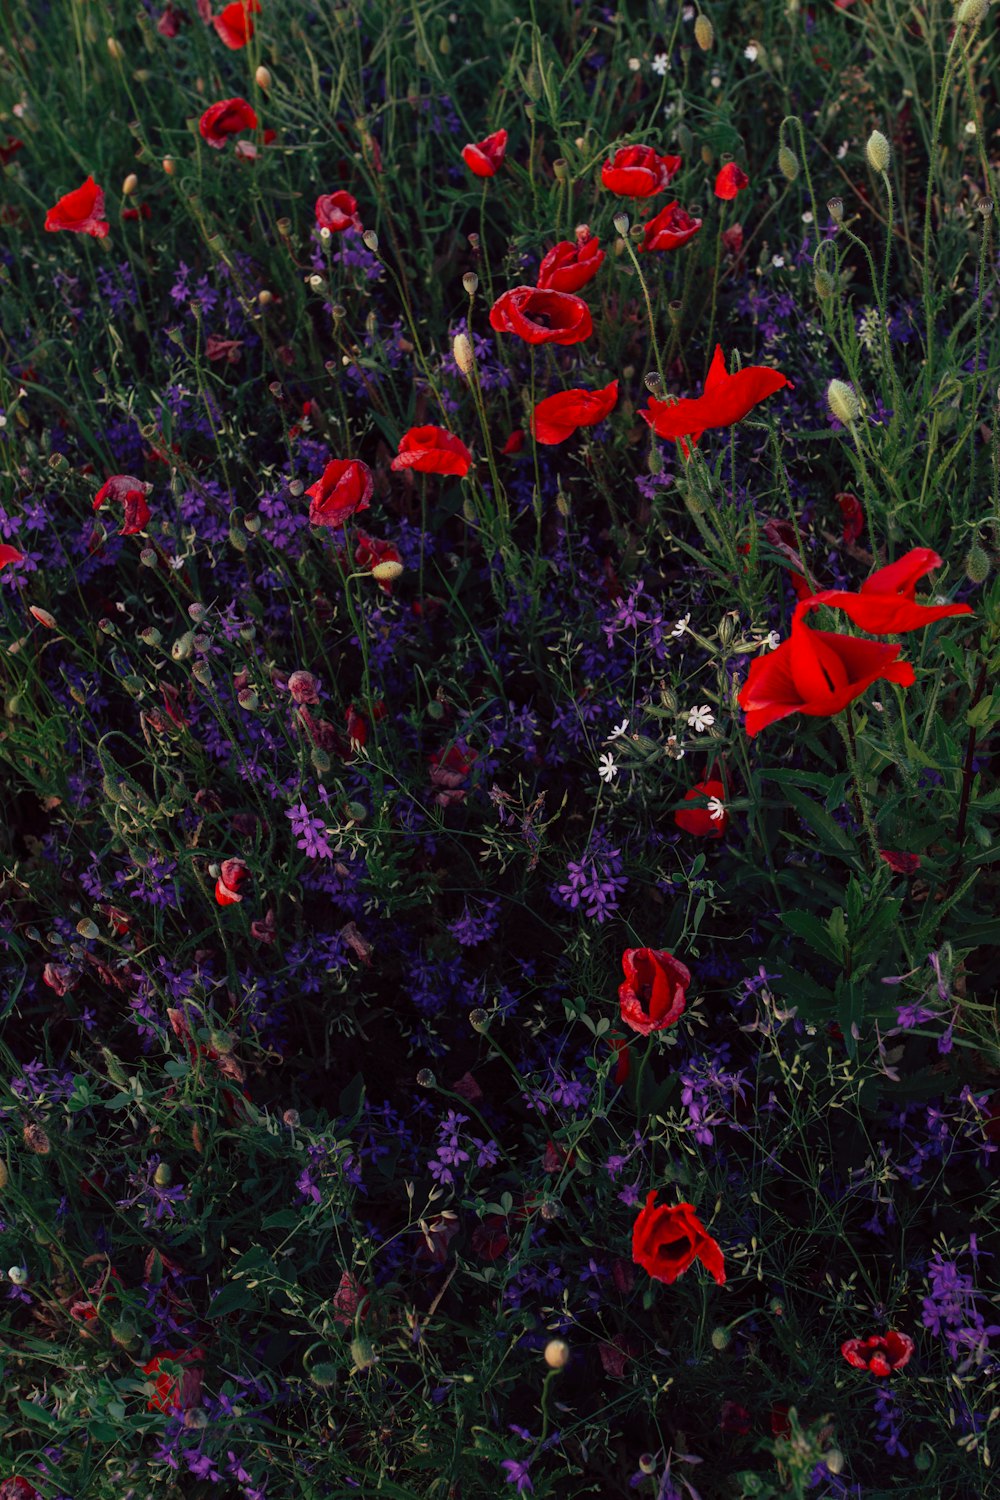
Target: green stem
pixel 649 305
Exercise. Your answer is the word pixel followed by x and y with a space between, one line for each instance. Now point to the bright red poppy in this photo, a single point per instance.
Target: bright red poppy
pixel 173 1393
pixel 514 443
pixel 344 488
pixel 654 992
pixel 881 1354
pixel 639 172
pixel 485 158
pixel 726 399
pixel 337 212
pixel 853 517
pixel 9 554
pixel 234 23
pixel 557 417
pixel 710 821
pixel 233 875
pixel 81 211
pixel 901 864
pixel 541 316
pixel 671 228
pixel 887 603
pixel 224 119
pixel 130 493
pixel 569 265
pixel 666 1241
pixel 730 181
pixel 370 552
pixel 432 450
pixel 818 673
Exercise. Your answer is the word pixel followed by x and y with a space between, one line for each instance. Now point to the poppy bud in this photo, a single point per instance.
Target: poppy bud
pixel 557 1354
pixel 462 350
pixel 124 1332
pixel 823 283
pixel 788 164
pixel 129 185
pixel 621 224
pixel 704 33
pixel 425 1079
pixel 835 208
pixel 471 283
pixel 834 1460
pixel 323 1374
pixel 371 240
pixel 169 165
pixel 388 571
pixel 362 1354
pixel 263 78
pixel 970 12
pixel 878 152
pixel 977 564
pixel 115 49
pixel 163 1175
pixel 42 616
pixel 843 402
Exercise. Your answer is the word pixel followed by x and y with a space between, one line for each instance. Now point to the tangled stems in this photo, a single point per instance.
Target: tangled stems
pixel 846 726
pixel 649 305
pixel 943 94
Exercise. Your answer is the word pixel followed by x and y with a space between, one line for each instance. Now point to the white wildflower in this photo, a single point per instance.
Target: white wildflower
pixel 606 768
pixel 660 64
pixel 680 627
pixel 700 719
pixel 716 809
pixel 617 732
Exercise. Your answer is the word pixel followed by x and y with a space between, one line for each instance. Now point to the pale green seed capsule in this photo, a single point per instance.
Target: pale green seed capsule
pixel 843 402
pixel 788 164
pixel 878 151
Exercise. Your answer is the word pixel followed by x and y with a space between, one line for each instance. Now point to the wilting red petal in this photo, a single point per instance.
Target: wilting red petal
pixel 726 399
pixel 485 158
pixel 224 119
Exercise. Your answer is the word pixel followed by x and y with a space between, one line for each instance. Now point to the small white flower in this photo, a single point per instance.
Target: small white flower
pixel 326 234
pixel 750 53
pixel 716 809
pixel 669 109
pixel 3 421
pixel 970 127
pixel 778 260
pixel 18 1275
pixel 877 706
pixel 716 81
pixel 634 64
pixel 606 768
pixel 700 719
pixel 689 12
pixel 771 641
pixel 680 627
pixel 842 150
pixel 807 217
pixel 617 732
pixel 660 63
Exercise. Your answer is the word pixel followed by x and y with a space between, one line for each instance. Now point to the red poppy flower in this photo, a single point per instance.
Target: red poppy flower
pixel 732 239
pixel 432 450
pixel 568 266
pixel 734 1420
pixel 486 157
pixel 638 172
pixel 671 228
pixel 235 24
pixel 224 119
pixel 887 603
pixel 709 822
pixel 82 211
pixel 902 864
pixel 665 1241
pixel 9 554
pixel 557 417
pixel 344 488
pixel 730 181
pixel 818 673
pixel 131 495
pixel 623 1065
pixel 169 23
pixel 175 1393
pixel 514 443
pixel 854 517
pixel 726 399
pixel 654 993
pixel 370 552
pixel 879 1354
pixel 232 876
pixel 16 1488
pixel 350 1299
pixel 541 316
pixel 337 212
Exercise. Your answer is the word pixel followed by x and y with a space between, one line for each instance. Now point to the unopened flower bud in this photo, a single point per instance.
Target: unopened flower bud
pixel 19 1275
pixel 169 165
pixel 425 1079
pixel 124 1332
pixel 462 351
pixel 721 1338
pixel 824 283
pixel 621 222
pixel 557 1354
pixel 788 164
pixel 36 1139
pixel 977 564
pixel 129 185
pixel 263 78
pixel 843 402
pixel 371 240
pixel 704 33
pixel 878 152
pixel 163 1176
pixel 362 1354
pixel 647 1463
pixel 834 1460
pixel 970 12
pixel 42 616
pixel 265 298
pixel 387 571
pixel 471 283
pixel 115 49
pixel 835 208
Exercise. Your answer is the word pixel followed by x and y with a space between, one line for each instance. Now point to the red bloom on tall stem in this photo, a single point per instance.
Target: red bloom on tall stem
pixel 344 488
pixel 726 399
pixel 173 1393
pixel 557 417
pixel 432 450
pixel 817 673
pixel 568 266
pixel 81 211
pixel 730 181
pixel 710 821
pixel 881 1354
pixel 671 228
pixel 234 23
pixel 485 158
pixel 224 119
pixel 639 172
pixel 9 554
pixel 233 875
pixel 887 603
pixel 541 316
pixel 337 212
pixel 131 494
pixel 654 992
pixel 665 1241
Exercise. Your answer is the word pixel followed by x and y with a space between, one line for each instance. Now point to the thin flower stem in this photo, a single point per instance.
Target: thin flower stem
pixel 846 727
pixel 649 305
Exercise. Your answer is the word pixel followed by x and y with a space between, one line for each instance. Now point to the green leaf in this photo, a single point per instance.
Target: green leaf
pixel 815 933
pixel 232 1298
pixel 833 838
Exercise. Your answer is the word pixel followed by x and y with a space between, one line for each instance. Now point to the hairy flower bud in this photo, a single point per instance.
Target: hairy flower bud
pixel 557 1354
pixel 462 351
pixel 878 152
pixel 824 283
pixel 471 283
pixel 388 571
pixel 788 164
pixel 263 78
pixel 704 33
pixel 977 564
pixel 621 222
pixel 843 402
pixel 971 12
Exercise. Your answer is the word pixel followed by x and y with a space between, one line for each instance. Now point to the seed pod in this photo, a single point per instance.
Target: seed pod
pixel 371 240
pixel 129 185
pixel 835 208
pixel 621 222
pixel 36 1140
pixel 471 283
pixel 977 564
